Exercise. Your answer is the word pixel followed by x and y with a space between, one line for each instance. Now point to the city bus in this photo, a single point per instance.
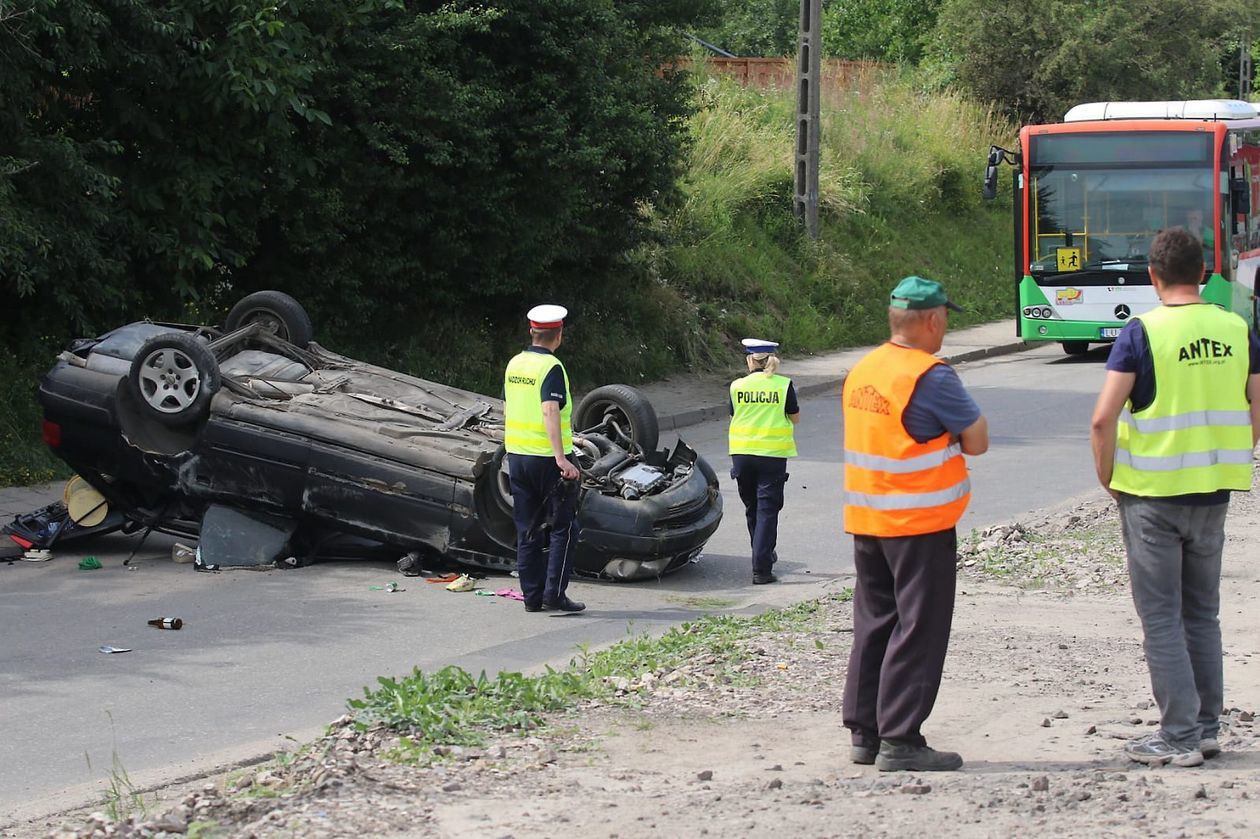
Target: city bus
pixel 1091 192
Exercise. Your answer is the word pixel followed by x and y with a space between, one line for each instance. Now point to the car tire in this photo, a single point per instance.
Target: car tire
pixel 493 499
pixel 279 313
pixel 1075 347
pixel 173 377
pixel 625 406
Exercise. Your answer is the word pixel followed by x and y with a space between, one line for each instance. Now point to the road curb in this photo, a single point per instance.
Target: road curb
pixel 704 413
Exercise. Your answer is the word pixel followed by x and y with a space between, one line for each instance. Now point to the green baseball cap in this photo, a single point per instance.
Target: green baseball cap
pixel 918 293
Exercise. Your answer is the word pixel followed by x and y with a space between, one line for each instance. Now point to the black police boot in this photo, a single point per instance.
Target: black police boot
pixel 564 604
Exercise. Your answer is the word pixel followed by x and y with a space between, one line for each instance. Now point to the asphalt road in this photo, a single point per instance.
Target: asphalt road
pixel 265 656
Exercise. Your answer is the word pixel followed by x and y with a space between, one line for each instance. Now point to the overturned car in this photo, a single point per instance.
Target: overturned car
pixel 193 429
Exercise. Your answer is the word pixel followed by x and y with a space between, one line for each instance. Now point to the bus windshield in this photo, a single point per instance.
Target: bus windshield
pixel 1098 199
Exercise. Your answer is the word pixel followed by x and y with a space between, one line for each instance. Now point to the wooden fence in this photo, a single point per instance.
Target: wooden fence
pixel 781 72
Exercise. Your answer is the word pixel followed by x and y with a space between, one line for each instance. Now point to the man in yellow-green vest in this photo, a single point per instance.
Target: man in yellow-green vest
pixel 1173 432
pixel 538 436
pixel 763 413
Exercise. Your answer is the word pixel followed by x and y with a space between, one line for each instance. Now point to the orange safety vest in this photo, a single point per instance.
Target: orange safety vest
pixel 893 485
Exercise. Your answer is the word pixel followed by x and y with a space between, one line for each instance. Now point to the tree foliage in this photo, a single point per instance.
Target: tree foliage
pixel 378 159
pixel 757 27
pixel 1037 60
pixel 882 30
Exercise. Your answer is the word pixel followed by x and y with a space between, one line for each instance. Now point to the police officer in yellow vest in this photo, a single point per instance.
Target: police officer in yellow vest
pixel 538 436
pixel 763 411
pixel 1172 433
pixel 908 421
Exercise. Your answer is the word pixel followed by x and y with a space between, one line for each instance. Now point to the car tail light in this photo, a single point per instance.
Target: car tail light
pixel 52 434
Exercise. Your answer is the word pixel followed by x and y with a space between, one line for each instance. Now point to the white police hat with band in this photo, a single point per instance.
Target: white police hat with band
pixel 752 346
pixel 547 316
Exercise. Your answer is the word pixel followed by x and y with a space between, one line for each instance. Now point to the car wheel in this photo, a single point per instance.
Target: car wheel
pixel 1075 347
pixel 174 376
pixel 623 406
pixel 279 314
pixel 493 497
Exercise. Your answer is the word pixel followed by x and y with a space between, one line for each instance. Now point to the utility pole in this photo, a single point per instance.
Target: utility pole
pixel 808 134
pixel 1244 68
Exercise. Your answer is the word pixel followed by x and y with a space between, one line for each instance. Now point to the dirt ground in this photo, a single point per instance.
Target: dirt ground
pixel 1045 681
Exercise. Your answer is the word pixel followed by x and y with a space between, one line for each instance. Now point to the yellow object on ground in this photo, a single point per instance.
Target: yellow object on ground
pixel 463 583
pixel 86 506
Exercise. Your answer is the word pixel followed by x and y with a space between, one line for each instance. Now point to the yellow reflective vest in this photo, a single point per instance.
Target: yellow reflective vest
pixel 524 430
pixel 1195 437
pixel 759 425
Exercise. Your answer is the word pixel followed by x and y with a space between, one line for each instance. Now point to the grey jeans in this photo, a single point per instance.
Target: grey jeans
pixel 1174 555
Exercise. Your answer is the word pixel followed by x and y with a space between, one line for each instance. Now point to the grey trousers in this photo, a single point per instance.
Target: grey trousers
pixel 1174 553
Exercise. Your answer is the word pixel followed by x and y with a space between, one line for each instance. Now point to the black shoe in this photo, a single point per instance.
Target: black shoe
pixel 904 757
pixel 533 607
pixel 564 604
pixel 763 579
pixel 865 755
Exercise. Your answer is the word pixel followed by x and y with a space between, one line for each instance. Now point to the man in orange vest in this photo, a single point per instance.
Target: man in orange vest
pixel 908 421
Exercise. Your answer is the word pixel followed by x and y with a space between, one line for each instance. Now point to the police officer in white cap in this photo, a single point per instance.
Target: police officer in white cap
pixel 764 411
pixel 539 440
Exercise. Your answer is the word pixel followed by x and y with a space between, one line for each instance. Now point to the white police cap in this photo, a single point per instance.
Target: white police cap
pixel 547 316
pixel 752 346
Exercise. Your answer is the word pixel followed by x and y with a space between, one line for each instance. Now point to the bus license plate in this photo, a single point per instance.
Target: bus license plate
pixel 1110 331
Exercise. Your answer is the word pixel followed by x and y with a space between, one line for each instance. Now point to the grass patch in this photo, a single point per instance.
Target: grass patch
pixel 121 798
pixel 205 829
pixel 453 707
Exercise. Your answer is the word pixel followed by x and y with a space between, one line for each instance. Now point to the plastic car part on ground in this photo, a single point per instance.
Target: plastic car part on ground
pixel 52 524
pixel 231 537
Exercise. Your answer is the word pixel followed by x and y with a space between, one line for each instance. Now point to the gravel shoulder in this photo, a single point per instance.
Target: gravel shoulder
pixel 1045 680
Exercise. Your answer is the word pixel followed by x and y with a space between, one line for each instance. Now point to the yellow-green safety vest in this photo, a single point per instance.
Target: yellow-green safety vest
pixel 524 431
pixel 759 424
pixel 1195 437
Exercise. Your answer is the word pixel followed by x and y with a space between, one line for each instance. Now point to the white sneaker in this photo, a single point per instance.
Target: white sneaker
pixel 1155 750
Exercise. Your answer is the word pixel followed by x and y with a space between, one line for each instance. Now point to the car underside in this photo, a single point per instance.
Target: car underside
pixel 184 428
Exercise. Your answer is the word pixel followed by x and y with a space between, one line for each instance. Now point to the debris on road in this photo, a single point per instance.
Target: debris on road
pixel 167 623
pixel 462 583
pixel 109 650
pixel 89 563
pixel 181 553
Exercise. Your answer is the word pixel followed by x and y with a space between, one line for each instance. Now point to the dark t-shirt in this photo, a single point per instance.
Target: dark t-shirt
pixel 940 404
pixel 553 385
pixel 1131 353
pixel 789 406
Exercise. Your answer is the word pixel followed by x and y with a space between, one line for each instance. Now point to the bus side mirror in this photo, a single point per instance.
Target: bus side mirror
pixel 1240 196
pixel 991 173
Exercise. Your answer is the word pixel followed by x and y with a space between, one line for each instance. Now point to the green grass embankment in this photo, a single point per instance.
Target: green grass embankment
pixel 900 194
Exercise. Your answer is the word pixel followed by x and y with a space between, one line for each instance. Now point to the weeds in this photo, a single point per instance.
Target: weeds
pixel 452 707
pixel 121 798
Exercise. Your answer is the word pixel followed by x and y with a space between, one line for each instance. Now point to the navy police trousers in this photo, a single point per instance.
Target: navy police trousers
pixel 544 508
pixel 760 480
